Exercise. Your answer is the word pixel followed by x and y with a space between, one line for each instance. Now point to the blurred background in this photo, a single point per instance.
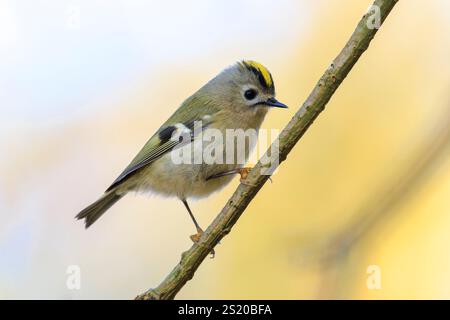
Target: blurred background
pixel 360 209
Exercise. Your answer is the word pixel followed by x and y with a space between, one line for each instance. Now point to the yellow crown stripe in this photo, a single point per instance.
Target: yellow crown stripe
pixel 263 70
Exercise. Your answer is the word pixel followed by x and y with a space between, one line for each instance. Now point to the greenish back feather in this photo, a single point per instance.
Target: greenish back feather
pixel 195 108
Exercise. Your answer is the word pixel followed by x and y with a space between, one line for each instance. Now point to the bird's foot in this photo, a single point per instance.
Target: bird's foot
pixel 196 238
pixel 243 172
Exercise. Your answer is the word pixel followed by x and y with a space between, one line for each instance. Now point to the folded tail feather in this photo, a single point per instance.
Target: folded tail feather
pixel 95 210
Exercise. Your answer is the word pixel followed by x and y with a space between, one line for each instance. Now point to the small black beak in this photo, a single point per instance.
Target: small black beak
pixel 272 102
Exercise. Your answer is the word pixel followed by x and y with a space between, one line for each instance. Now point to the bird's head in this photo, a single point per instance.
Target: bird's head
pixel 244 86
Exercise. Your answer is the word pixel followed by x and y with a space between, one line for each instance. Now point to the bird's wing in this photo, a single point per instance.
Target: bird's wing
pixel 161 142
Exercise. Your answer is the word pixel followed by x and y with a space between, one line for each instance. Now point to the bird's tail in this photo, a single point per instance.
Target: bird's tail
pixel 95 210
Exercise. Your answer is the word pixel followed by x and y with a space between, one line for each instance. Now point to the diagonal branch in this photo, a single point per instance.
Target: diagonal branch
pixel 294 130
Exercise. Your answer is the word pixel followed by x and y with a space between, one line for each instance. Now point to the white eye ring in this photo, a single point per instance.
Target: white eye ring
pixel 249 93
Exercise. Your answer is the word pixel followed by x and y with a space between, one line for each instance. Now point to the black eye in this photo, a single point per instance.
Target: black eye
pixel 250 94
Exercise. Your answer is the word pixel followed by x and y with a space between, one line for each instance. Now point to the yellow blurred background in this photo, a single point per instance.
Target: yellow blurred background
pixel 83 84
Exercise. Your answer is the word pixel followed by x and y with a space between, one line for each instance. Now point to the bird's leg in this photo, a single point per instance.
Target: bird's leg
pixel 243 172
pixel 195 237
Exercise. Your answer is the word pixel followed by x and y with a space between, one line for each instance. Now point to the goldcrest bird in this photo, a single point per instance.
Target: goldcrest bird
pixel 237 98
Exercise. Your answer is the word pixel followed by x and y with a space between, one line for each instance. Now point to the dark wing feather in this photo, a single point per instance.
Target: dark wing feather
pixel 161 142
pixel 157 153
